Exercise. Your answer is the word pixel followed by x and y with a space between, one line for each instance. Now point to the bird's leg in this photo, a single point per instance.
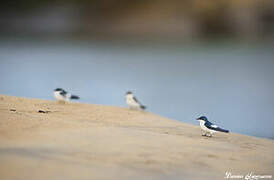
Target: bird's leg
pixel 207 134
pixel 203 133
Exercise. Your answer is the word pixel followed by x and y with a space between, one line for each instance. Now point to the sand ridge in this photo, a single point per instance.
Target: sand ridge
pixel 85 141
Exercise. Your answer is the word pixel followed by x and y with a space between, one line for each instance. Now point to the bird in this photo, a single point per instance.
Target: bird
pixel 133 103
pixel 62 96
pixel 209 128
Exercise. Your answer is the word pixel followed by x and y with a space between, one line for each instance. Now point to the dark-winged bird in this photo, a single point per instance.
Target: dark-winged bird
pixel 132 102
pixel 63 96
pixel 209 128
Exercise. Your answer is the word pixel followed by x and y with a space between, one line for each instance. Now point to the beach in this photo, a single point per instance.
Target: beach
pixel 42 139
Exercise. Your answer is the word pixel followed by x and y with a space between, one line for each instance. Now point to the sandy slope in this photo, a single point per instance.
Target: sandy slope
pixel 81 141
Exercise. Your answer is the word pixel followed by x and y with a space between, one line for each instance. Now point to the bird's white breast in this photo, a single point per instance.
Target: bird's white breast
pixel 202 125
pixel 59 97
pixel 130 101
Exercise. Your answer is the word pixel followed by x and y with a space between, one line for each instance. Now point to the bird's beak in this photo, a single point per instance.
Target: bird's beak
pixel 197 119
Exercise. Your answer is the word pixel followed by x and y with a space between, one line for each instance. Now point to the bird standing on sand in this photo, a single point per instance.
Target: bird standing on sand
pixel 133 103
pixel 62 96
pixel 208 128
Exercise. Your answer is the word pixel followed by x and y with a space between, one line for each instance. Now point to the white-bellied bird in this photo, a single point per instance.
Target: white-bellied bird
pixel 62 96
pixel 209 128
pixel 133 103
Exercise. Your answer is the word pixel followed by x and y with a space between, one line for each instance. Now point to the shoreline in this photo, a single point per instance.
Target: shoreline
pixel 170 118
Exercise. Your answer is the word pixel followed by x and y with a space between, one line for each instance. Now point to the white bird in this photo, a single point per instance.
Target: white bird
pixel 209 128
pixel 63 96
pixel 133 103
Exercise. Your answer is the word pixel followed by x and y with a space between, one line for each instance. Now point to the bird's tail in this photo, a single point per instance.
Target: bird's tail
pixel 143 107
pixel 74 97
pixel 222 130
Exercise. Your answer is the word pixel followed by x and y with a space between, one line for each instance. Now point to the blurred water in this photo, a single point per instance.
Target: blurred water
pixel 231 84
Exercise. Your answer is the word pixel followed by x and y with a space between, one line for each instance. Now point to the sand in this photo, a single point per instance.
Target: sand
pixel 85 141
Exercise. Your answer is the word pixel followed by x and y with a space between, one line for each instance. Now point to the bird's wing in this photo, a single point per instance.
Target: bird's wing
pixel 63 93
pixel 140 104
pixel 214 127
pixel 210 125
pixel 136 100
